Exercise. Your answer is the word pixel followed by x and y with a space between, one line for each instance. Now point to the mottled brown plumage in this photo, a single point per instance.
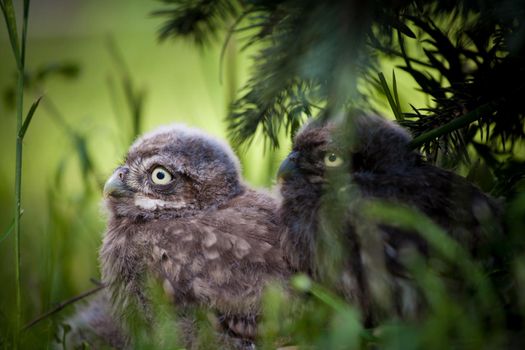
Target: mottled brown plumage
pixel 377 165
pixel 94 326
pixel 179 214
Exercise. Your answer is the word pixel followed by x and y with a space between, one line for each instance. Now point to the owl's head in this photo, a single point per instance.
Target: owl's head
pixel 171 172
pixel 316 178
pixel 325 148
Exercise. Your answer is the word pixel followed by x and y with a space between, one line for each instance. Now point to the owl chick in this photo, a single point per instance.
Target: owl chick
pixel 93 325
pixel 180 214
pixel 378 165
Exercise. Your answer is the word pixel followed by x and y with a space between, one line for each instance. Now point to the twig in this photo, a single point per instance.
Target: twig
pixel 453 125
pixel 63 304
pixel 229 34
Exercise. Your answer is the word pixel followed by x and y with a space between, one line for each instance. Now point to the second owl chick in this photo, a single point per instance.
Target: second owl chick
pixel 181 215
pixel 93 326
pixel 378 165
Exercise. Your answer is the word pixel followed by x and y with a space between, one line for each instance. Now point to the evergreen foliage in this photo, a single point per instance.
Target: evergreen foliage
pixel 466 56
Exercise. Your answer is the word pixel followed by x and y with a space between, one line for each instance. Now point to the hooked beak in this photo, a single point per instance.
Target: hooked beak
pixel 288 167
pixel 115 186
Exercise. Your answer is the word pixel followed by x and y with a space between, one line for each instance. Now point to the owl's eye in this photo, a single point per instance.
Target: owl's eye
pixel 332 160
pixel 160 176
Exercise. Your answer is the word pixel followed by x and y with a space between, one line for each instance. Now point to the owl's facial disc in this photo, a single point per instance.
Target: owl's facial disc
pixel 314 165
pixel 171 172
pixel 317 159
pixel 130 192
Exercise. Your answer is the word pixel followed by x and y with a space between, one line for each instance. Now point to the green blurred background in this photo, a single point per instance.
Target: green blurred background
pixel 83 128
pixel 62 222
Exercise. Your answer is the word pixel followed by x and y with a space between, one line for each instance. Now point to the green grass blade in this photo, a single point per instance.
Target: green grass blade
pixel 396 95
pixel 24 31
pixel 303 283
pixel 29 117
pixel 395 108
pixel 10 20
pixel 8 231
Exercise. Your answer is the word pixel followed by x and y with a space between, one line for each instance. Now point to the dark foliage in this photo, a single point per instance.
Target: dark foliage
pixel 197 19
pixel 466 56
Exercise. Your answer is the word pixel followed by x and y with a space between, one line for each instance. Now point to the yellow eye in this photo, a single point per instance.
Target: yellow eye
pixel 332 160
pixel 160 176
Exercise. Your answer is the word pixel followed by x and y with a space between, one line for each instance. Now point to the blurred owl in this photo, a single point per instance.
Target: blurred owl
pixel 92 325
pixel 180 215
pixel 378 165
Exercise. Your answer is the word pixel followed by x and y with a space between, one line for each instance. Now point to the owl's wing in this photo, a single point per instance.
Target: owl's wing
pixel 221 259
pixel 451 201
pixel 457 206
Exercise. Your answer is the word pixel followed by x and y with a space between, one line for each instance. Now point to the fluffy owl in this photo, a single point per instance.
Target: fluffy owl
pixel 378 165
pixel 180 215
pixel 93 325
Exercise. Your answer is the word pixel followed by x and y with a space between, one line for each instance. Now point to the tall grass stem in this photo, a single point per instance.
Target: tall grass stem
pixel 19 51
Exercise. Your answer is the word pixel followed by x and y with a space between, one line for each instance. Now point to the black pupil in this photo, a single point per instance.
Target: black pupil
pixel 332 157
pixel 160 175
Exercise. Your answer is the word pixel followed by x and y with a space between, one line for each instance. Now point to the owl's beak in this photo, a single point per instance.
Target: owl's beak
pixel 115 186
pixel 288 167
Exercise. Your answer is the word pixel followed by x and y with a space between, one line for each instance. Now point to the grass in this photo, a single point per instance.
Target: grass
pixel 18 46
